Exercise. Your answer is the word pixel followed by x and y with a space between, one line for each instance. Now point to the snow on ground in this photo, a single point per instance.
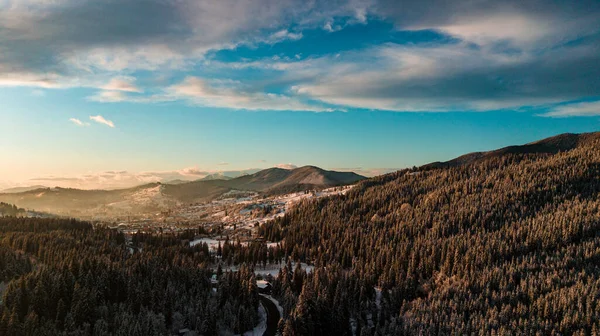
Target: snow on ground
pixel 151 195
pixel 262 284
pixel 270 269
pixel 274 302
pixel 213 244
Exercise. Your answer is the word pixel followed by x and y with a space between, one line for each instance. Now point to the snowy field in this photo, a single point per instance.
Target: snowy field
pixel 270 269
pixel 213 244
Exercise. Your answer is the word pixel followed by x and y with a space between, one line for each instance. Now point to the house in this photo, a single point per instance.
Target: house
pixel 264 287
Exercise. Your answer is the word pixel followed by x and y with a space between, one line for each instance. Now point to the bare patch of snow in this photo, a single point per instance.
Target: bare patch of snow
pixel 213 244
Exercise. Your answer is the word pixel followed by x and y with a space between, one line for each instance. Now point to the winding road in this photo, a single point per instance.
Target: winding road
pixel 272 316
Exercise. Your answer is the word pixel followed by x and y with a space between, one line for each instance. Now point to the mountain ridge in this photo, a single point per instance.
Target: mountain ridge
pixel 21 189
pixel 551 145
pixel 157 195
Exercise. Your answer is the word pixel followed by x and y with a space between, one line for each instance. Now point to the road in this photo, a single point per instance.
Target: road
pixel 272 316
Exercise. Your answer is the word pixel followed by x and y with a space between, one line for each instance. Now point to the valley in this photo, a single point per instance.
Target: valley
pixel 146 201
pixel 235 214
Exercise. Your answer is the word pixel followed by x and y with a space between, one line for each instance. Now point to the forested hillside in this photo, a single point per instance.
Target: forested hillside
pixel 67 278
pixel 505 244
pixel 10 210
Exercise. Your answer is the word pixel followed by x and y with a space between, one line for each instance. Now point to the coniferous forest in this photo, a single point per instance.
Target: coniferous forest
pixel 68 278
pixel 502 244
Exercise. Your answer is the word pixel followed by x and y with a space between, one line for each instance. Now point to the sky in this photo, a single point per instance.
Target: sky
pixel 115 93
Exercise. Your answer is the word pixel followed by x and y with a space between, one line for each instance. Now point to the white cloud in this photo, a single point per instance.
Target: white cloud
pixel 123 83
pixel 46 81
pixel 234 95
pixel 78 122
pixel 331 27
pixel 109 97
pixel 192 171
pixel 288 166
pixel 104 180
pixel 126 179
pixel 100 119
pixel 585 109
pixel 509 26
pixel 283 35
pixel 128 58
pixel 448 77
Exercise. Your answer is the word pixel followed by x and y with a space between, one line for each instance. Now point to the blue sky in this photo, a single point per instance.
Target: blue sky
pixel 116 93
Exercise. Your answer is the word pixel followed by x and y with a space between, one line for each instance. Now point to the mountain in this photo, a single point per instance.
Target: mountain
pixel 552 145
pixel 176 181
pixel 502 242
pixel 310 177
pixel 156 196
pixel 217 176
pixel 270 181
pixel 21 189
pixel 75 201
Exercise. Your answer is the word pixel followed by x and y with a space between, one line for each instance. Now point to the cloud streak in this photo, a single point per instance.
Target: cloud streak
pixel 100 119
pixel 234 95
pixel 126 179
pixel 126 84
pixel 585 109
pixel 454 77
pixel 79 122
pixel 287 166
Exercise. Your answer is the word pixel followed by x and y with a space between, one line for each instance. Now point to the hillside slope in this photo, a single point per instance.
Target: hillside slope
pixel 21 189
pixel 156 196
pixel 506 243
pixel 552 145
pixel 308 176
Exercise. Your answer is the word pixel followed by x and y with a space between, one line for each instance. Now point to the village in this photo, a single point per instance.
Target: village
pixel 236 215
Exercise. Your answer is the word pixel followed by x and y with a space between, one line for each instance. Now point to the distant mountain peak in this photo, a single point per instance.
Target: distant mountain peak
pixel 216 176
